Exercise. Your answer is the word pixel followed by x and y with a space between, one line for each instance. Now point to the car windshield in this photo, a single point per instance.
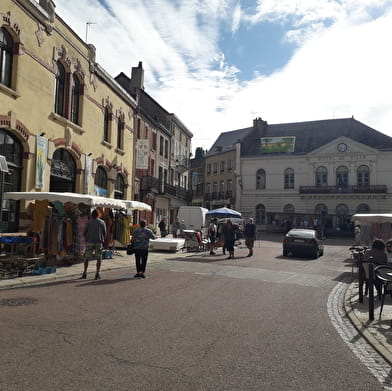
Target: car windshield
pixel 301 233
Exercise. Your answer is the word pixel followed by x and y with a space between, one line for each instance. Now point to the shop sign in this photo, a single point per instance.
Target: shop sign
pixel 142 154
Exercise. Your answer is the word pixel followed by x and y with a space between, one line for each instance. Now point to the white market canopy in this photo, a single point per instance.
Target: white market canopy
pixel 92 201
pixel 137 205
pixel 370 218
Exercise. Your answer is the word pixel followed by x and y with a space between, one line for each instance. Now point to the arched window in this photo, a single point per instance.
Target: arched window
pixel 342 176
pixel 260 214
pixel 6 56
pixel 120 134
pixel 321 176
pixel 101 182
pixel 288 208
pixel 62 172
pixel 75 99
pixel 59 106
pixel 119 187
pixel 363 208
pixel 289 178
pixel 363 176
pixel 106 125
pixel 260 179
pixel 12 150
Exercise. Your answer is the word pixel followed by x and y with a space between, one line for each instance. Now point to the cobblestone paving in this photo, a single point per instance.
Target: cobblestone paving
pixel 359 346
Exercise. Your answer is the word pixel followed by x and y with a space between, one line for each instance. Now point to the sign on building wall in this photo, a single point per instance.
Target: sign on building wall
pixel 142 153
pixel 88 174
pixel 277 144
pixel 40 162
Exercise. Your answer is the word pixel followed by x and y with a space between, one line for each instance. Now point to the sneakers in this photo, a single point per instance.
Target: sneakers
pixel 137 275
pixel 97 277
pixel 84 276
pixel 142 275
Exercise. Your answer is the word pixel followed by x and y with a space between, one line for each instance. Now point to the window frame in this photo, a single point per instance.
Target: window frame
pixel 6 58
pixel 260 179
pixel 289 178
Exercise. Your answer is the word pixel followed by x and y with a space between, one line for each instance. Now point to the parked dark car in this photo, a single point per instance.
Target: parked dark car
pixel 302 243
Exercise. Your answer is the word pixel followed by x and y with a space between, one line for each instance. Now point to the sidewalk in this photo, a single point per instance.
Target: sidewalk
pixel 119 261
pixel 378 332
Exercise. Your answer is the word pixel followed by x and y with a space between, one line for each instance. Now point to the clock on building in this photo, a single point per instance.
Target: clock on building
pixel 342 147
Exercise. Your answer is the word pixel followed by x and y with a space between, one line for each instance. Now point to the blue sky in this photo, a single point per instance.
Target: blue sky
pixel 218 64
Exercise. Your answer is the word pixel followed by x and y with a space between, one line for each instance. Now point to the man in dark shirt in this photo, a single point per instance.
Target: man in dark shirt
pixel 250 236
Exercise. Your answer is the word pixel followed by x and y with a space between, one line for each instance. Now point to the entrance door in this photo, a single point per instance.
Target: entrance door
pixel 62 172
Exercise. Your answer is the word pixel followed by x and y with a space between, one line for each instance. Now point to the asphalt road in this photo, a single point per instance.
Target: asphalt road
pixel 200 323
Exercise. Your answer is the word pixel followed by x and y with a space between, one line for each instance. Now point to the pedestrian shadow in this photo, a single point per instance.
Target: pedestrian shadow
pixel 105 282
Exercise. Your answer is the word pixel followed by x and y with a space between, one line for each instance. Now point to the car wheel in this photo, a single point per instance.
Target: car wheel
pixel 285 253
pixel 321 253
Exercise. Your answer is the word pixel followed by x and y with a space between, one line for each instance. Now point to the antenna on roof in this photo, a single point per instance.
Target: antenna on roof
pixel 87 27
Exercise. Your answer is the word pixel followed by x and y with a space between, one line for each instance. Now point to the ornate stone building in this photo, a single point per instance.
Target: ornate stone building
pixel 317 172
pixel 65 123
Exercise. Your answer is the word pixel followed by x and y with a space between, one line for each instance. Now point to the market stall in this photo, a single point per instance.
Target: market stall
pixel 373 226
pixel 57 222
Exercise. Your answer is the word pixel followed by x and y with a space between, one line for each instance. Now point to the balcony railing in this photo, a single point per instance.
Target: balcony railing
pixel 178 192
pixel 342 189
pixel 153 185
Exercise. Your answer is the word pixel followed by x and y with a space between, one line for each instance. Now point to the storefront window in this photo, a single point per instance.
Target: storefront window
pixel 12 150
pixel 101 182
pixel 119 187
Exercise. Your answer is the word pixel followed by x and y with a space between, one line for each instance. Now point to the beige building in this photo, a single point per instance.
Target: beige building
pixel 65 123
pixel 314 173
pixel 222 163
pixel 162 176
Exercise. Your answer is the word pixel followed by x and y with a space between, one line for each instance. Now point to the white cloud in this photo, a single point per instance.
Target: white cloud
pixel 341 67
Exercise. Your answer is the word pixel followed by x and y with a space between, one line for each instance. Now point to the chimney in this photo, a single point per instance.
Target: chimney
pixel 137 77
pixel 259 125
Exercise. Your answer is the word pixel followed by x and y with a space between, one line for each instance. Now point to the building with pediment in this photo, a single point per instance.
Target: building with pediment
pixel 313 173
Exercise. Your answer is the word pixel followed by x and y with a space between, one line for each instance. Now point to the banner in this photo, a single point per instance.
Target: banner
pixel 40 162
pixel 277 144
pixel 88 174
pixel 142 154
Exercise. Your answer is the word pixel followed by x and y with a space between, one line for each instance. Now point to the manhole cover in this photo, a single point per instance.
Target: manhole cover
pixel 18 301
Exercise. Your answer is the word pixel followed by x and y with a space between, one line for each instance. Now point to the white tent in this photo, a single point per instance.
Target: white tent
pixel 93 201
pixel 137 205
pixel 370 218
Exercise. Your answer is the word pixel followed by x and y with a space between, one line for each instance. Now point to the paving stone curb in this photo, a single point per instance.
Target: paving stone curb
pixel 370 330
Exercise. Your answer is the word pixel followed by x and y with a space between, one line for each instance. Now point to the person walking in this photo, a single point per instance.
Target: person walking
pixel 250 236
pixel 141 240
pixel 95 235
pixel 162 227
pixel 176 227
pixel 212 235
pixel 229 234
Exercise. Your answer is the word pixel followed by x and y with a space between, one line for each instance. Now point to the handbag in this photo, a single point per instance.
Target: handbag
pixel 130 249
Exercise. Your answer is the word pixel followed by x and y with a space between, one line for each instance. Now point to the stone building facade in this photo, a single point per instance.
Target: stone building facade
pixel 314 173
pixel 65 123
pixel 162 177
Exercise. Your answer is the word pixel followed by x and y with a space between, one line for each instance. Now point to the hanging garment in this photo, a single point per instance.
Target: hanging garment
pixel 40 210
pixel 80 242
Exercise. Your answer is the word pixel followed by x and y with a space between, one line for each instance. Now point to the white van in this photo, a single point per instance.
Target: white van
pixel 194 217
